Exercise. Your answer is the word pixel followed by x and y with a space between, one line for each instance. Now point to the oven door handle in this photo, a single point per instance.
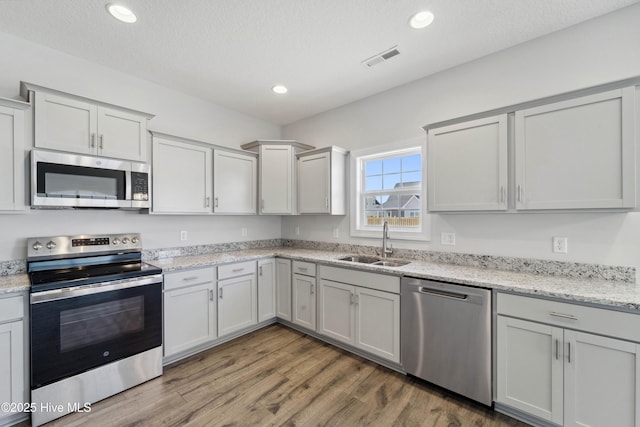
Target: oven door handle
pixel 96 288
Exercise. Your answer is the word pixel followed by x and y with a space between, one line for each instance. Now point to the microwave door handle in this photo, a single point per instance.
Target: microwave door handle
pixel 127 186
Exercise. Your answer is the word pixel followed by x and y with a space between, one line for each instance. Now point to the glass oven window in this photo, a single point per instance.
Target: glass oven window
pixel 85 326
pixel 59 180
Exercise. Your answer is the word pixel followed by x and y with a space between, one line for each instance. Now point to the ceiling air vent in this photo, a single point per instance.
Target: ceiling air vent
pixel 381 57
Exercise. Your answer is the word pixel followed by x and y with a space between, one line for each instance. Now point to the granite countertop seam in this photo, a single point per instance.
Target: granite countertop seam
pixel 608 293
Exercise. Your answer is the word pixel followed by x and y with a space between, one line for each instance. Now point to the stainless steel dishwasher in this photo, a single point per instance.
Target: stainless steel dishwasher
pixel 446 336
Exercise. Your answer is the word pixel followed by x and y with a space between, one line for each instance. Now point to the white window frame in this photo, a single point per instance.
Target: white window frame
pixel 356 158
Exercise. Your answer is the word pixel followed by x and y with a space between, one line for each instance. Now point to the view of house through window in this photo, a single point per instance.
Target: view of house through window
pixel 391 189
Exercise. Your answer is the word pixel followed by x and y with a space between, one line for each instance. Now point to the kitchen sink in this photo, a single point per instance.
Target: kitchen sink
pixel 372 260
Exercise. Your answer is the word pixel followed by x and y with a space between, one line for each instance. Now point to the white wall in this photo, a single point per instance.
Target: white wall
pixel 176 113
pixel 593 53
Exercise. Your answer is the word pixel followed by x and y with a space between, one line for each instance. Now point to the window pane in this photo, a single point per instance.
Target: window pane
pixel 411 178
pixel 391 165
pixel 373 167
pixel 411 163
pixel 373 183
pixel 391 181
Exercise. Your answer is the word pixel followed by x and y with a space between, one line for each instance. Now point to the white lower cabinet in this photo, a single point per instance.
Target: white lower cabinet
pixel 565 376
pixel 237 297
pixel 366 318
pixel 189 310
pixel 12 357
pixel 283 288
pixel 304 301
pixel 266 289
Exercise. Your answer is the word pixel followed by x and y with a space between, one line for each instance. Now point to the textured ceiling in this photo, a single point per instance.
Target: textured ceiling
pixel 232 52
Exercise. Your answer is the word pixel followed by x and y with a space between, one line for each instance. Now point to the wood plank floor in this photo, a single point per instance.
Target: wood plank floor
pixel 280 377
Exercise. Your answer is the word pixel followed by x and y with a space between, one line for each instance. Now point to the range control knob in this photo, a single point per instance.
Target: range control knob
pixel 37 246
pixel 51 244
pixel 134 239
pixel 115 241
pixel 125 240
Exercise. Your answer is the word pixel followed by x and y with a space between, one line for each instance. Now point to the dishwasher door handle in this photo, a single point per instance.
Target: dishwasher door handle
pixel 441 293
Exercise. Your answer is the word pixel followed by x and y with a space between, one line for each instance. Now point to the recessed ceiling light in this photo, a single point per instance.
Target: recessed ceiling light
pixel 121 13
pixel 421 19
pixel 280 89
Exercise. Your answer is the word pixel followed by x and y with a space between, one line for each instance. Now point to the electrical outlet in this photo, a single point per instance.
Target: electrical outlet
pixel 336 232
pixel 243 231
pixel 297 230
pixel 448 238
pixel 560 245
pixel 183 236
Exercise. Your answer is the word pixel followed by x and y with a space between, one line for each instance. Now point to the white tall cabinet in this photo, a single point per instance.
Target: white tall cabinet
pixel 467 165
pixel 277 176
pixel 322 181
pixel 12 155
pixel 72 123
pixel 568 364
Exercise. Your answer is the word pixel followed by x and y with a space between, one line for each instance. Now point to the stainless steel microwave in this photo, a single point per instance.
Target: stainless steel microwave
pixel 66 180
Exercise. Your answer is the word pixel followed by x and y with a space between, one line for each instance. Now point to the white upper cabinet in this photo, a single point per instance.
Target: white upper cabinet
pixel 75 124
pixel 182 176
pixel 322 181
pixel 12 155
pixel 277 183
pixel 467 166
pixel 578 153
pixel 235 180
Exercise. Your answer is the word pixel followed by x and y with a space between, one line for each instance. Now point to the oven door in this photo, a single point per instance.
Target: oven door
pixel 76 329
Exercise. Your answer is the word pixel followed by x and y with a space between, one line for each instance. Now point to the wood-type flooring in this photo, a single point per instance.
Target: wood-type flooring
pixel 280 377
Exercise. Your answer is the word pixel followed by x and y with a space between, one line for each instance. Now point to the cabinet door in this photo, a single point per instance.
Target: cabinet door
pixel 266 289
pixel 467 166
pixel 577 154
pixel 122 134
pixel 276 179
pixel 12 362
pixel 237 304
pixel 235 180
pixel 283 291
pixel 530 368
pixel 304 301
pixel 11 159
pixel 65 124
pixel 181 177
pixel 189 317
pixel 314 184
pixel 601 381
pixel 378 323
pixel 336 311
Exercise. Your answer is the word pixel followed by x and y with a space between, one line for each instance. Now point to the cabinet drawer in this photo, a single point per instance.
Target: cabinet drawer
pixel 181 279
pixel 571 316
pixel 237 269
pixel 381 282
pixel 11 308
pixel 306 268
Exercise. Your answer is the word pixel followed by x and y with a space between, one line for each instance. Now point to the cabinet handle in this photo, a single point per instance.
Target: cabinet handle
pixel 502 194
pixel 353 299
pixel 92 142
pixel 207 202
pixel 211 295
pixel 260 270
pixel 312 289
pixel 303 268
pixel 215 202
pixel 101 141
pixel 262 205
pixel 326 203
pixel 556 349
pixel 519 193
pixel 188 279
pixel 220 293
pixel 569 347
pixel 562 315
pixel 237 270
pixel 357 297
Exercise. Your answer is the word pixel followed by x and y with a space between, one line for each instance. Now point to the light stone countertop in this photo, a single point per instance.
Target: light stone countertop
pixel 612 294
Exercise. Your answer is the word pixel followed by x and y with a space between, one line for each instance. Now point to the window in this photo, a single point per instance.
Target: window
pixel 388 185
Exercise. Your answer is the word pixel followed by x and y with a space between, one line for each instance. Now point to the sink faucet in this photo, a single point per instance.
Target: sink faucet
pixel 386 246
